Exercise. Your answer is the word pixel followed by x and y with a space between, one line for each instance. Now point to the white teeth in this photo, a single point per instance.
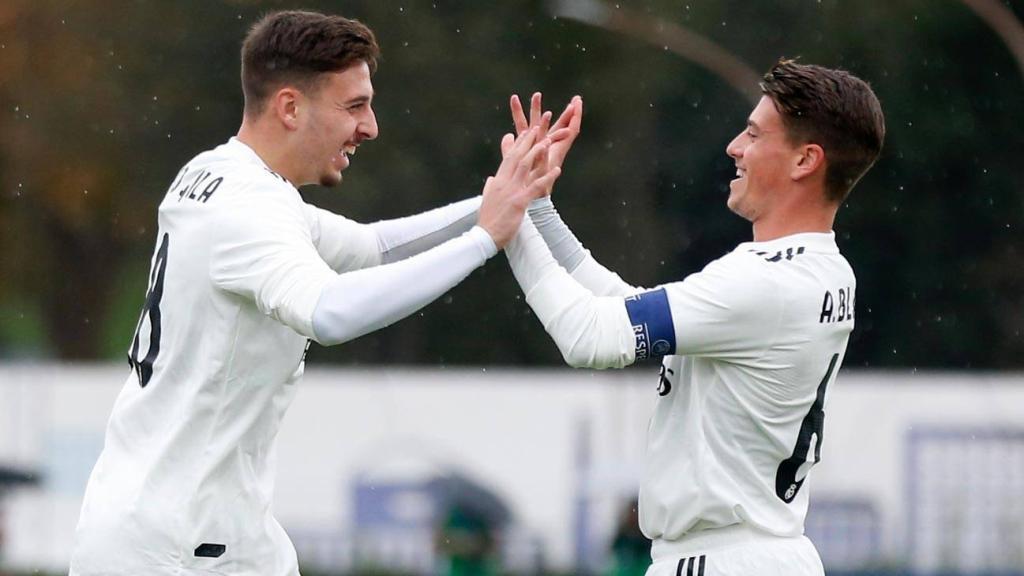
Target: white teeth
pixel 349 150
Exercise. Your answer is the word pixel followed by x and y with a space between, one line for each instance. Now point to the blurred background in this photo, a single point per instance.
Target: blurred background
pixel 525 466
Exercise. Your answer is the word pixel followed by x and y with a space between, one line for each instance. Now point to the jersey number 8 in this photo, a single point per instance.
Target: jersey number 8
pixel 150 313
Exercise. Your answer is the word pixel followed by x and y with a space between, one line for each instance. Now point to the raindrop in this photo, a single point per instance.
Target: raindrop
pixel 85 191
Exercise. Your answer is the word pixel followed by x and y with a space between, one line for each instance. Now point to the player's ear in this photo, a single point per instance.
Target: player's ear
pixel 810 160
pixel 285 105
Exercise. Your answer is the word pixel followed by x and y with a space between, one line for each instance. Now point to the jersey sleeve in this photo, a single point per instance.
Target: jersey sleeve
pixel 401 238
pixel 262 250
pixel 730 310
pixel 342 243
pixel 570 254
pixel 591 331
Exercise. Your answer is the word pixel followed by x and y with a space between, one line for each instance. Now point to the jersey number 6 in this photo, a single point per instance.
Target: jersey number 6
pixel 150 311
pixel 793 470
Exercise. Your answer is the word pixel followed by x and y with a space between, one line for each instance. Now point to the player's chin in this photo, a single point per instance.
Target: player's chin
pixel 331 178
pixel 734 195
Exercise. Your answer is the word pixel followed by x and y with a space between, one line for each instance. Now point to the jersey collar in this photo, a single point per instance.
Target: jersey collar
pixel 822 242
pixel 243 151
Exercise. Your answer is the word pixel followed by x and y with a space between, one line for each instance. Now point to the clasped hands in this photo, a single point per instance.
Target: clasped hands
pixel 531 162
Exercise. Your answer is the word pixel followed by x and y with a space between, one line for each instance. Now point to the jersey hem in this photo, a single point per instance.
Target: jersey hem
pixel 712 539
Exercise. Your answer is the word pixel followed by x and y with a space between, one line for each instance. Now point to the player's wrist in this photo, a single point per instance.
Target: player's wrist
pixel 484 240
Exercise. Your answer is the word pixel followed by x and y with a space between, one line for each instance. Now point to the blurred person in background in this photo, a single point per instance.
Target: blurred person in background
pixel 630 549
pixel 244 275
pixel 750 344
pixel 465 543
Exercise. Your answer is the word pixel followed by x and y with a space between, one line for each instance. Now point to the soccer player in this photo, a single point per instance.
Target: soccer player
pixel 750 344
pixel 244 275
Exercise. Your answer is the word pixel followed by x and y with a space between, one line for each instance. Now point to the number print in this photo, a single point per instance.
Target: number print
pixel 793 470
pixel 151 312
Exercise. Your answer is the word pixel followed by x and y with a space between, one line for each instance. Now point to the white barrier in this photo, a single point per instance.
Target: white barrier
pixel 544 440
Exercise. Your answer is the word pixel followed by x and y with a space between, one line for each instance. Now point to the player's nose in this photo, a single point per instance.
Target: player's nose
pixel 733 149
pixel 368 127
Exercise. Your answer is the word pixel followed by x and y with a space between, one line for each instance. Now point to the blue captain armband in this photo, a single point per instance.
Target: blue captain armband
pixel 654 334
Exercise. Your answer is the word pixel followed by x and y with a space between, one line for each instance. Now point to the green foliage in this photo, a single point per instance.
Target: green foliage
pixel 115 105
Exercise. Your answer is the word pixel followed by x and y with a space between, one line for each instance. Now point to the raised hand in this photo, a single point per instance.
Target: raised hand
pixel 524 174
pixel 569 120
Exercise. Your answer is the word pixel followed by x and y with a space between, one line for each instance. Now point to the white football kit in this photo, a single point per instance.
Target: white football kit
pixel 244 275
pixel 750 346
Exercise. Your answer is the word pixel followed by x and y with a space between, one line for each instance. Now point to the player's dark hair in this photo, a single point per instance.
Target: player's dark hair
pixel 833 109
pixel 296 48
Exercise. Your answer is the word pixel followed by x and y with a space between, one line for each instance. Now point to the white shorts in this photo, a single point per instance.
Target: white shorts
pixel 743 553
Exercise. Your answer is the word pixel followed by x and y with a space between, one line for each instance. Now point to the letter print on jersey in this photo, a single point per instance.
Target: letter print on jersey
pixel 654 333
pixel 793 470
pixel 151 312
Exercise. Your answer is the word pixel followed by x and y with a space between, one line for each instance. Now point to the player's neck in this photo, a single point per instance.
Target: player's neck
pixel 271 150
pixel 787 223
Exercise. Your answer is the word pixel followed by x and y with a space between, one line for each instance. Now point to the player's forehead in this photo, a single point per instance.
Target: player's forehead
pixel 351 84
pixel 765 116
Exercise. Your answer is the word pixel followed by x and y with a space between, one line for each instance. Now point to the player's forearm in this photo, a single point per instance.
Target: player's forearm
pixel 590 331
pixel 401 238
pixel 360 302
pixel 569 252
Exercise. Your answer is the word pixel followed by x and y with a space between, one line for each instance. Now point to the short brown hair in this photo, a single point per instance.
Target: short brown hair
pixel 296 47
pixel 831 108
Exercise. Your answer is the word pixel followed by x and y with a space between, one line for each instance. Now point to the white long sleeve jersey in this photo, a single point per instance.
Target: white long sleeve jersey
pixel 186 476
pixel 751 344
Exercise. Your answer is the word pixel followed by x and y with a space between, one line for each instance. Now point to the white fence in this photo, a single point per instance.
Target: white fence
pixel 922 470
